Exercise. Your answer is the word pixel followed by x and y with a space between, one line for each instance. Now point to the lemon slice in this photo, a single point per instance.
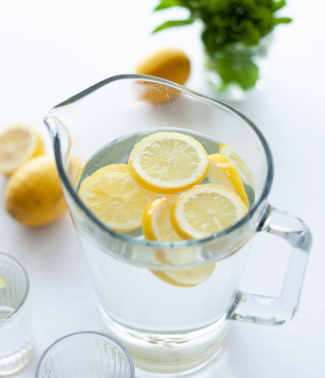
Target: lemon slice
pixel 223 173
pixel 116 199
pixel 2 283
pixel 156 226
pixel 74 170
pixel 205 210
pixel 242 169
pixel 124 168
pixel 168 163
pixel 113 168
pixel 18 143
pixel 186 277
pixel 156 220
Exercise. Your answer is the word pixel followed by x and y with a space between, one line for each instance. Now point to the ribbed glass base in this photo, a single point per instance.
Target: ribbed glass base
pixel 16 361
pixel 170 354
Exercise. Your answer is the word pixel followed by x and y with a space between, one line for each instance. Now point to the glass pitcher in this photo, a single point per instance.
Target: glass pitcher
pixel 171 329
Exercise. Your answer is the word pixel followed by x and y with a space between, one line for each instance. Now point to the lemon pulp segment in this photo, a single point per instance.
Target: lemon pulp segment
pixel 116 199
pixel 168 163
pixel 223 173
pixel 18 143
pixel 205 210
pixel 241 167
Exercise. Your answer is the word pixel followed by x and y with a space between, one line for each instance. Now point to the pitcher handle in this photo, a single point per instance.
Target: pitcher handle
pixel 265 310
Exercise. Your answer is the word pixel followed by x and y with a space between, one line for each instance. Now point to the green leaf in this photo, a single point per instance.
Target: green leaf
pixel 242 72
pixel 278 5
pixel 171 24
pixel 227 22
pixel 168 4
pixel 250 34
pixel 282 20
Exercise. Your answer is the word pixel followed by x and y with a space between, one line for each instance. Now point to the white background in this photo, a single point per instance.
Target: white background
pixel 51 50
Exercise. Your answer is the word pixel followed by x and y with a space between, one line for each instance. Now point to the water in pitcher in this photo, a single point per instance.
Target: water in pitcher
pixel 156 294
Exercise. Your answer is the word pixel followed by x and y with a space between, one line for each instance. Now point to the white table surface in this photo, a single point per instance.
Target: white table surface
pixel 51 50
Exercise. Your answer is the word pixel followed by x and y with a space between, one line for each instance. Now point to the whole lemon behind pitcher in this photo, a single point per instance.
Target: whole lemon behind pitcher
pixel 168 63
pixel 34 196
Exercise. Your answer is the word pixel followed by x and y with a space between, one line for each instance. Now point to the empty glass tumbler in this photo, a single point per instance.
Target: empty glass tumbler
pixel 85 355
pixel 15 327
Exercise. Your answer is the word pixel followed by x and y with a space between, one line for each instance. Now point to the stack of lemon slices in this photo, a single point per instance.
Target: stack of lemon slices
pixel 124 196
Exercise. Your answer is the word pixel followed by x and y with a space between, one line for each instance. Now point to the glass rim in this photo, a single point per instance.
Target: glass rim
pixel 121 346
pixel 192 93
pixel 22 302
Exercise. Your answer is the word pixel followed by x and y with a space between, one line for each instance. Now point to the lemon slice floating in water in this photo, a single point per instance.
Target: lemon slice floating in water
pixel 241 167
pixel 205 210
pixel 157 226
pixel 223 173
pixel 116 199
pixel 156 220
pixel 168 163
pixel 2 283
pixel 113 168
pixel 186 277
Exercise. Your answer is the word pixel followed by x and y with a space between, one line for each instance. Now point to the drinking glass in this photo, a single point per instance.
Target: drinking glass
pixel 85 355
pixel 170 329
pixel 15 329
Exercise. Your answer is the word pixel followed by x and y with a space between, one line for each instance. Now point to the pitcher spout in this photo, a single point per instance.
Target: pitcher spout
pixel 51 125
pixel 63 143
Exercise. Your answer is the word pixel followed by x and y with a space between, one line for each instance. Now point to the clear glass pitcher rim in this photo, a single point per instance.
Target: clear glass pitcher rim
pixel 149 243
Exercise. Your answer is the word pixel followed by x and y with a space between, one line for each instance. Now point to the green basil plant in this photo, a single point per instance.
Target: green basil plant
pixel 228 24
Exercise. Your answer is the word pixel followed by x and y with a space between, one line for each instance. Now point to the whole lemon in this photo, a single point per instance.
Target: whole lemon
pixel 168 63
pixel 34 195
